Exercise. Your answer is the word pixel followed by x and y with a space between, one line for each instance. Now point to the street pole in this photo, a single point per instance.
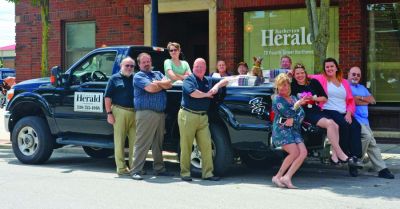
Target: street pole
pixel 154 29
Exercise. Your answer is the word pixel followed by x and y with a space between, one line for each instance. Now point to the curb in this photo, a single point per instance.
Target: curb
pixel 79 150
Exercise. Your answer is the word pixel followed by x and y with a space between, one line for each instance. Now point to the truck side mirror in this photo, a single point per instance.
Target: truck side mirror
pixel 55 76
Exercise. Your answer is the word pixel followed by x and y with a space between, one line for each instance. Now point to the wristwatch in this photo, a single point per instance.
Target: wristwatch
pixel 108 113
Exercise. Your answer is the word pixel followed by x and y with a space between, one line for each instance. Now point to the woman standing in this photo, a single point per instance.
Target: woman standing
pixel 286 131
pixel 174 68
pixel 340 107
pixel 312 91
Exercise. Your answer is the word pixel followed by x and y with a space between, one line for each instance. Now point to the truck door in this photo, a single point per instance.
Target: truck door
pixel 81 108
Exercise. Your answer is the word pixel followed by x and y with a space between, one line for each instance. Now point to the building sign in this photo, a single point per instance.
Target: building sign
pixel 88 102
pixel 271 34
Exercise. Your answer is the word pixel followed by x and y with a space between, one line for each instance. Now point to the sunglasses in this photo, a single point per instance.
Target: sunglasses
pixel 131 66
pixel 356 74
pixel 173 50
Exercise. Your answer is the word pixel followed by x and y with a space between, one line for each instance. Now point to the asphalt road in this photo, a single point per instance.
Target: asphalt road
pixel 73 180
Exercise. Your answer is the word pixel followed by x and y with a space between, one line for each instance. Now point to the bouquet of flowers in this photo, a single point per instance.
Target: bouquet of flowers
pixel 308 94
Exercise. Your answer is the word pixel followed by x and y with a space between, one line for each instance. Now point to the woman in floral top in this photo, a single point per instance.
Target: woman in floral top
pixel 286 131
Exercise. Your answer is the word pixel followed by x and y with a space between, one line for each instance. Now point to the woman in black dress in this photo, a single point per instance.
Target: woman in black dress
pixel 312 91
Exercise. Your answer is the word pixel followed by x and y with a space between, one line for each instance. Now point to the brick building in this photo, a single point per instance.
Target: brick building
pixel 364 33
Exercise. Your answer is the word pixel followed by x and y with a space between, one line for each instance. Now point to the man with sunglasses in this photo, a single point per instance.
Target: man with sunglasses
pixel 120 113
pixel 363 98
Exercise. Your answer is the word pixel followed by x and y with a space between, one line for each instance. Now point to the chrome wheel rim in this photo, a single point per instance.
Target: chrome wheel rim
pixel 28 141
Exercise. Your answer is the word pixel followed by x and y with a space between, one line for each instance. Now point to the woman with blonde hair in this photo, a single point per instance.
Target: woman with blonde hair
pixel 286 131
pixel 174 68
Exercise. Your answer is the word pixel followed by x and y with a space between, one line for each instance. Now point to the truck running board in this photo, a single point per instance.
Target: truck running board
pixel 99 143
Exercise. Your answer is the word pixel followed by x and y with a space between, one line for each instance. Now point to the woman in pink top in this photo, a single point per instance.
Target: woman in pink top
pixel 340 107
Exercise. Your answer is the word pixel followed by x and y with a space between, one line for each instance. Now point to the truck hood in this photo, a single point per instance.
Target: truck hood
pixel 29 85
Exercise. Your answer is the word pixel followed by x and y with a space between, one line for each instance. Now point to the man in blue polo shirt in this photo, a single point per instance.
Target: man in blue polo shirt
pixel 197 92
pixel 363 98
pixel 150 99
pixel 119 106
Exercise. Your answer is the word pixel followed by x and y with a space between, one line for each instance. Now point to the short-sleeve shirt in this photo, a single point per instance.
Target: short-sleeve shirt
pixel 120 90
pixel 144 100
pixel 193 83
pixel 314 87
pixel 361 113
pixel 181 70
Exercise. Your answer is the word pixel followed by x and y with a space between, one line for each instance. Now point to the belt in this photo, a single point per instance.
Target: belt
pixel 124 108
pixel 194 112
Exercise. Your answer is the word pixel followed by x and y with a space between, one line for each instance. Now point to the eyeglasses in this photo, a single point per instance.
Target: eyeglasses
pixel 173 50
pixel 356 74
pixel 131 66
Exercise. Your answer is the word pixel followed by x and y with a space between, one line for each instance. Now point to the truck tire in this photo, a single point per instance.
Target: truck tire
pixel 32 142
pixel 98 153
pixel 221 152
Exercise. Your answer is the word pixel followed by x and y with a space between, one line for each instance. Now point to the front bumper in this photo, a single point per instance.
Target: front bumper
pixel 7 115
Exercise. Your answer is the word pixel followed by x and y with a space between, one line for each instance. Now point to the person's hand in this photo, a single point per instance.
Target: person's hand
pixel 347 117
pixel 289 122
pixel 214 90
pixel 110 119
pixel 209 94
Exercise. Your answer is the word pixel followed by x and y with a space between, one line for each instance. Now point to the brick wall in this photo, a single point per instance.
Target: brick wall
pixel 351 36
pixel 117 22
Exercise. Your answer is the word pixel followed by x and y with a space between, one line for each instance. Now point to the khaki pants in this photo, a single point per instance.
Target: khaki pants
pixel 124 126
pixel 193 126
pixel 150 126
pixel 370 147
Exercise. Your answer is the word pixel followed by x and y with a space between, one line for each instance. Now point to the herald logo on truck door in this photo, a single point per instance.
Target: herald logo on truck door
pixel 88 102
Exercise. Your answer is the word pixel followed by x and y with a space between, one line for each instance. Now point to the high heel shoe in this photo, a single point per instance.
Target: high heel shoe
pixel 333 162
pixel 344 161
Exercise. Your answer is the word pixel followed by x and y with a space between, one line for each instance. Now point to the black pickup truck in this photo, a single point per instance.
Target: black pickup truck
pixel 68 109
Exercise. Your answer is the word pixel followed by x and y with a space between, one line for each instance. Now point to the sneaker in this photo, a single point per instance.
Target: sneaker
pixel 137 176
pixel 164 173
pixel 385 173
pixel 212 178
pixel 186 178
pixel 353 171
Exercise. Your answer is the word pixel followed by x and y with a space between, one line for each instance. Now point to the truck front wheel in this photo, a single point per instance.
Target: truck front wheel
pixel 32 142
pixel 98 153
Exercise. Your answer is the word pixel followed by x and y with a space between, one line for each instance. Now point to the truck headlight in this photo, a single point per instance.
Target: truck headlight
pixel 10 94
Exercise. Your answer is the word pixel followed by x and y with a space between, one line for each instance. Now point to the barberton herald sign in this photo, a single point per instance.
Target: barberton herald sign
pixel 285 37
pixel 271 34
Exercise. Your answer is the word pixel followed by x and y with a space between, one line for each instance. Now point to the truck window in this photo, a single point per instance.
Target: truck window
pixel 97 67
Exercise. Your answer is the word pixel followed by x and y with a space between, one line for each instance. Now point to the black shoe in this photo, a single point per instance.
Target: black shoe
pixel 164 173
pixel 212 178
pixel 333 162
pixel 186 178
pixel 353 171
pixel 385 173
pixel 354 162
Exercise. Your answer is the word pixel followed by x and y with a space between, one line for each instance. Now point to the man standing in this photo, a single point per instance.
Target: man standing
pixel 119 106
pixel 363 98
pixel 197 91
pixel 150 102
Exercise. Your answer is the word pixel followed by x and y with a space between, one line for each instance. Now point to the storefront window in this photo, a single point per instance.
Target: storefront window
pixel 271 34
pixel 384 51
pixel 80 38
